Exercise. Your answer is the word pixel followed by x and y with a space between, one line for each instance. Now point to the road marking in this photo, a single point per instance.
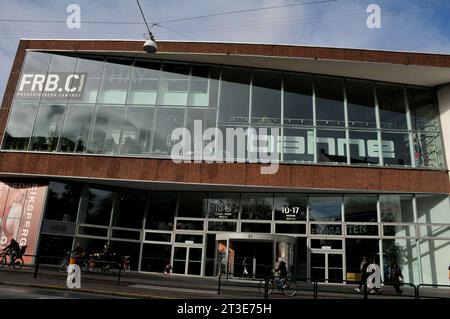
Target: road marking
pixel 175 289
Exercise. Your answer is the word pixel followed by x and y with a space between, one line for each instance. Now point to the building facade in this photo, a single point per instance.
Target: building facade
pixel 91 154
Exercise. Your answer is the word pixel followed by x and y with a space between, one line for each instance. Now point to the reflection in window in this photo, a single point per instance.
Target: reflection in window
pixel 257 206
pixel 192 204
pixel 75 131
pixel 155 257
pixel 167 120
pixel 364 147
pixel 433 209
pixel 396 208
pixel 360 104
pixel 63 64
pixel 204 86
pixel 106 130
pixel 290 207
pixel 224 206
pixel 35 63
pixel 266 98
pixel 428 150
pixel 360 208
pixel 99 206
pixel 144 83
pixel 161 211
pixel 298 106
pixel 174 84
pixel 391 100
pixel 331 146
pixel 62 201
pixel 116 75
pixel 403 252
pixel 208 120
pixel 298 145
pixel 47 127
pixel 93 67
pixel 325 208
pixel 255 228
pixel 395 148
pixel 136 130
pixel 221 226
pixel 20 124
pixel 129 210
pixel 234 95
pixel 329 101
pixel 423 107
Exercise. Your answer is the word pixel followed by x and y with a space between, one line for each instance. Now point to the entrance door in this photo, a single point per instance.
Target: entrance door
pixel 327 266
pixel 250 258
pixel 187 260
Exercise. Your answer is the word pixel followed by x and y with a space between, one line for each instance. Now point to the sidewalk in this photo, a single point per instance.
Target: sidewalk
pixel 138 285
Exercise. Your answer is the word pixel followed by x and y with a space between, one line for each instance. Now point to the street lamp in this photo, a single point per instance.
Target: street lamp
pixel 150 45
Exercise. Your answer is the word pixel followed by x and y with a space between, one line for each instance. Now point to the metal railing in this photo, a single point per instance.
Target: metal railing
pixel 430 285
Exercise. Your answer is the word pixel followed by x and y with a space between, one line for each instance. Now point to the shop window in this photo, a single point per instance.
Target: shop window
pixel 223 206
pixel 325 208
pixel 129 210
pixel 290 207
pixel 155 257
pixel 360 208
pixel 433 209
pixel 257 206
pixel 396 208
pixel 63 201
pixel 75 131
pixel 161 211
pixel 98 208
pixel 192 205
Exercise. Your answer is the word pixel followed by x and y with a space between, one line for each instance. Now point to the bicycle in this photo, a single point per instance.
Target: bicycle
pixel 286 286
pixel 17 263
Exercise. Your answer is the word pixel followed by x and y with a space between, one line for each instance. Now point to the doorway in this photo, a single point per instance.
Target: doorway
pixel 187 260
pixel 327 266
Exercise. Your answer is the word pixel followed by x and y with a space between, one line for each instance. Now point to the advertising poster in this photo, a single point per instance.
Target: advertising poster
pixel 21 210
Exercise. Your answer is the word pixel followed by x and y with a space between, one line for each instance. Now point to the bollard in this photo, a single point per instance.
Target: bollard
pixel 36 266
pixel 266 288
pixel 120 271
pixel 218 287
pixel 365 291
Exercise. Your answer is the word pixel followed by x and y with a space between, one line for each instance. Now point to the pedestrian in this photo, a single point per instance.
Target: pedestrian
pixel 363 270
pixel 168 269
pixel 396 278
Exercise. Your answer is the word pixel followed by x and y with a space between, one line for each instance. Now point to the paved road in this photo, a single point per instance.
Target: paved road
pixel 14 292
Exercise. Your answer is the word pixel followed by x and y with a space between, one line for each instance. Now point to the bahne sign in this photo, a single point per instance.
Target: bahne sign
pixel 52 85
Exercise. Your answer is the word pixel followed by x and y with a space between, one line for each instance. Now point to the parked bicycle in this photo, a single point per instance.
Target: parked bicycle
pixel 285 285
pixel 16 261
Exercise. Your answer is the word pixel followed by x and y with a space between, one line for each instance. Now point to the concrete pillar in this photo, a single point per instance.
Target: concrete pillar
pixel 444 111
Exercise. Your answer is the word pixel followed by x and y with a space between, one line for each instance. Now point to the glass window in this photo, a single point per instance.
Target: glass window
pixel 161 211
pixel 185 238
pixel 391 101
pixel 329 101
pixel 106 130
pixel 255 228
pixel 167 120
pixel 75 131
pixel 136 130
pixel 319 243
pixel 144 83
pixel 116 75
pixel 364 147
pixel 59 65
pixel 360 208
pixel 433 209
pixel 403 252
pixel 290 228
pixel 432 261
pixel 20 124
pixel 99 206
pixel 423 109
pixel 174 84
pixel 192 204
pixel 428 150
pixel 325 208
pixel 266 98
pixel 129 210
pixel 224 206
pixel 326 229
pixel 208 120
pixel 158 236
pixel 204 86
pixel 356 249
pixel 47 127
pixel 93 68
pixel 298 145
pixel 155 257
pixel 125 234
pixel 190 224
pixel 257 206
pixel 30 88
pixel 234 95
pixel 360 104
pixel 396 208
pixel 331 146
pixel 399 230
pixel 221 226
pixel 298 106
pixel 395 148
pixel 124 248
pixel 362 230
pixel 290 207
pixel 62 201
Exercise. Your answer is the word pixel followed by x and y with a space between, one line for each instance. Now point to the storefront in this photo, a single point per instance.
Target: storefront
pixel 359 153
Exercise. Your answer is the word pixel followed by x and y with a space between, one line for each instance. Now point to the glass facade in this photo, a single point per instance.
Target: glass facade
pixel 130 107
pixel 156 227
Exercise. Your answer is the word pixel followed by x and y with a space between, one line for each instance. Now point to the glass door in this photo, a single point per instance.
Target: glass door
pixel 318 266
pixel 179 260
pixel 187 260
pixel 327 266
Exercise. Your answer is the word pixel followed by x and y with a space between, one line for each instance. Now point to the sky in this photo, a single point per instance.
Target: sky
pixel 406 25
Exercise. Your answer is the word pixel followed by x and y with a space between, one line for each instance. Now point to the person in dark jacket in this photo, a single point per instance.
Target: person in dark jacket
pixel 396 278
pixel 363 270
pixel 12 249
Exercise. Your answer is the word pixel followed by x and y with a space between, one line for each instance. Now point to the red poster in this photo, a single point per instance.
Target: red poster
pixel 12 213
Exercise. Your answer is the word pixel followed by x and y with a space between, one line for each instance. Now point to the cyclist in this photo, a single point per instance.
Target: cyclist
pixel 282 273
pixel 12 249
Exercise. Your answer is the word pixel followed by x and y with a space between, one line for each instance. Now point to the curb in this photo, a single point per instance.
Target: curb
pixel 83 290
